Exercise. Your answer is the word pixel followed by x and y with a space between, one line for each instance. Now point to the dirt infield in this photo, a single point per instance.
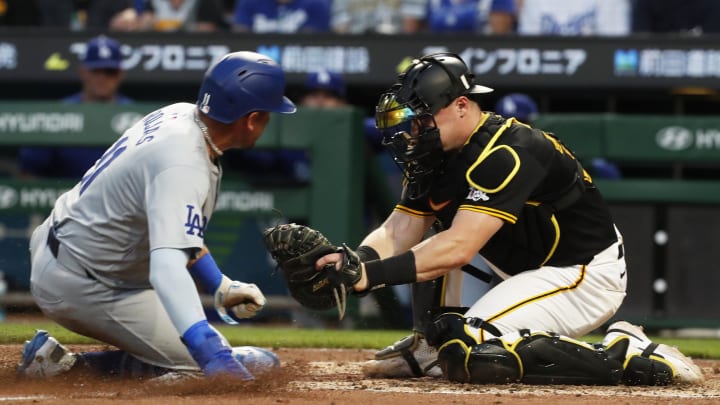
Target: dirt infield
pixel 320 376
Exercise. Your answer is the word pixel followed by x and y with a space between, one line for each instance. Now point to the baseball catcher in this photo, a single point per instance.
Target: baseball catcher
pixel 296 248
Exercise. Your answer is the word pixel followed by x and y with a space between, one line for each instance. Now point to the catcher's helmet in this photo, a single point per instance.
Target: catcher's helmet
pixel 434 81
pixel 517 105
pixel 240 83
pixel 404 114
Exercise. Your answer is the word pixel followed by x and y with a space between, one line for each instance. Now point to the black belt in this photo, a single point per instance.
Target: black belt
pixel 54 245
pixel 52 242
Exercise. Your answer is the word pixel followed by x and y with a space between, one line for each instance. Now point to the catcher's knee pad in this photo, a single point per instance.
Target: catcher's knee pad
pixel 449 326
pixel 453 325
pixel 450 335
pixel 486 363
pixel 644 369
pixel 463 359
pixel 550 359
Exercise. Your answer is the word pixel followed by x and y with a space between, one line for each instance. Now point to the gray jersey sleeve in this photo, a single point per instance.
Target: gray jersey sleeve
pixel 175 200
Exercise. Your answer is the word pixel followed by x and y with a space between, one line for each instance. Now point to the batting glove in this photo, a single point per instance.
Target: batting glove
pixel 243 299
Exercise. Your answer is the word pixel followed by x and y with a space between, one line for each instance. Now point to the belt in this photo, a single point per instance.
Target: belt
pixel 54 245
pixel 52 242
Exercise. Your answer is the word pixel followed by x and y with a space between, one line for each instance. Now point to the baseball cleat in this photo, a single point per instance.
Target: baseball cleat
pixel 410 356
pixel 175 376
pixel 683 369
pixel 256 359
pixel 44 356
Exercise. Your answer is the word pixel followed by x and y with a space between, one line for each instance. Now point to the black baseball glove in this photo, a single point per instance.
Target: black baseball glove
pixel 296 248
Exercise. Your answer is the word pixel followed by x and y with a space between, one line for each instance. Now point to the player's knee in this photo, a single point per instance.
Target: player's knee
pixel 641 370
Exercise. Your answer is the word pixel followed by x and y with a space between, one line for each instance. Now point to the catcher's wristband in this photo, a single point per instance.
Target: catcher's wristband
pixel 395 270
pixel 367 253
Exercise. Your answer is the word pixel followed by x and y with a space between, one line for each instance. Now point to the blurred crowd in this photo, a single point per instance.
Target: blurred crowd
pixel 469 17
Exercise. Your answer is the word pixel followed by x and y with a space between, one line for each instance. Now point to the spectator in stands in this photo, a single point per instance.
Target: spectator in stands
pixel 101 74
pixel 324 89
pixel 183 15
pixel 366 16
pixel 518 105
pixel 577 17
pixel 113 15
pixel 281 16
pixel 459 16
pixel 694 17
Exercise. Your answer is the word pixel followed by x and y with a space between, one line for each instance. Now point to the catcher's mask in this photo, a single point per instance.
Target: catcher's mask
pixel 405 115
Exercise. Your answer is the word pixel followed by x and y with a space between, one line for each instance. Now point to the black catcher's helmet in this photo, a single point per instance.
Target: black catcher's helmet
pixel 404 114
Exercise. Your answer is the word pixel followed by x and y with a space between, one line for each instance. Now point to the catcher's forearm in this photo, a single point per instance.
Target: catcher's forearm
pixel 397 234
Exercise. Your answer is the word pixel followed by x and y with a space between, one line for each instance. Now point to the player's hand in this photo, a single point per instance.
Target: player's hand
pixel 331 258
pixel 338 259
pixel 244 300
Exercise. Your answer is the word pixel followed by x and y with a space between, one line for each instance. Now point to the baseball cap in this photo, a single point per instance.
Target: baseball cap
pixel 325 80
pixel 517 105
pixel 102 53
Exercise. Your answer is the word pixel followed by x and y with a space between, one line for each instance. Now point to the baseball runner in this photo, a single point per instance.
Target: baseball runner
pixel 117 257
pixel 517 196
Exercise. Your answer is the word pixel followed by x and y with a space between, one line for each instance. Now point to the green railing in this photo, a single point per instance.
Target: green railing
pixel 670 141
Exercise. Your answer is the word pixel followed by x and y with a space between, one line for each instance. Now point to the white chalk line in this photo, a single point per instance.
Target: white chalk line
pixel 24 398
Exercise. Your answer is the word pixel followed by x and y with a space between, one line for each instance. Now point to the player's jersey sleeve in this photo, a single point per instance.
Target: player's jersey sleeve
pixel 417 208
pixel 175 200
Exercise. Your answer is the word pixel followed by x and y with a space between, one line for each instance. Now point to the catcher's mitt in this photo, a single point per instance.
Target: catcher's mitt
pixel 296 248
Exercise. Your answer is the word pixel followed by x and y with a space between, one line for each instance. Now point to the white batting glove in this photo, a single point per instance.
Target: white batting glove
pixel 244 300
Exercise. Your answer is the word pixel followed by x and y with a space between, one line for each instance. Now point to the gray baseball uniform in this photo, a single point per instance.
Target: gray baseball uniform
pixel 155 187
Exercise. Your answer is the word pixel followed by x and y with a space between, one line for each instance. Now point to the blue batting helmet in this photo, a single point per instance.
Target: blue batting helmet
pixel 517 105
pixel 240 83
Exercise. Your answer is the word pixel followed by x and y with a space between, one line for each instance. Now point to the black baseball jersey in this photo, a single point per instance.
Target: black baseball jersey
pixel 553 213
